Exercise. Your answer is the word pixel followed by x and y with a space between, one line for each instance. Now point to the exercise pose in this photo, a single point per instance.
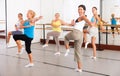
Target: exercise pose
pixel 17 31
pixel 56 31
pixel 28 35
pixel 93 31
pixel 77 35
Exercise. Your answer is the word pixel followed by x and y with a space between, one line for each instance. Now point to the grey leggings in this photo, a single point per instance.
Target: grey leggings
pixel 55 35
pixel 77 36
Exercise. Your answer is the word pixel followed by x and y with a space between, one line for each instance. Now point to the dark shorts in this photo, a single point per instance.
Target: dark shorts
pixel 85 27
pixel 16 32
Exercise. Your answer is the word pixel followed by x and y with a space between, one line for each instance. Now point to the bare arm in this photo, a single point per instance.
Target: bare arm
pixel 21 23
pixel 99 22
pixel 37 18
pixel 16 27
pixel 69 24
pixel 87 21
pixel 32 21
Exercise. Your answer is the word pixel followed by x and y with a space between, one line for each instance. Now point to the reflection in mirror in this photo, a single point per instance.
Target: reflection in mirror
pixel 2 24
pixel 14 7
pixel 110 8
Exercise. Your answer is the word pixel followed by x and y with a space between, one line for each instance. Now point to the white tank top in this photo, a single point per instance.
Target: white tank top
pixel 18 25
pixel 79 25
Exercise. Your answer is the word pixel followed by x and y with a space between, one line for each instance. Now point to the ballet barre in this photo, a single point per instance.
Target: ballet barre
pixel 50 28
pixel 43 30
pixel 106 31
pixel 2 21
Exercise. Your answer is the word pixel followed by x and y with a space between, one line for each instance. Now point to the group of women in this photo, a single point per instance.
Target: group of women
pixel 90 34
pixel 76 34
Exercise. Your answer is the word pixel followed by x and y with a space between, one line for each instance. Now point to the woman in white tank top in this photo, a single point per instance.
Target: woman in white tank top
pixel 17 31
pixel 77 35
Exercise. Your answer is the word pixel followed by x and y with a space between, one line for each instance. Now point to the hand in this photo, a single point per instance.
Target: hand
pixel 73 22
pixel 21 27
pixel 40 17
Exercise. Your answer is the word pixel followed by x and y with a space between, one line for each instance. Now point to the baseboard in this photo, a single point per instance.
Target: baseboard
pixel 3 37
pixel 100 47
pixel 2 30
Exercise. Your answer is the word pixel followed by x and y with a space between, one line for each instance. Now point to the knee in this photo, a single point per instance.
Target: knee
pixel 9 33
pixel 28 51
pixel 65 37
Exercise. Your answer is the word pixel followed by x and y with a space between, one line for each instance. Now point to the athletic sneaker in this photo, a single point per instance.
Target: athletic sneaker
pixel 45 45
pixel 7 45
pixel 17 53
pixel 57 53
pixel 67 51
pixel 29 65
pixel 92 57
pixel 21 51
pixel 86 44
pixel 78 70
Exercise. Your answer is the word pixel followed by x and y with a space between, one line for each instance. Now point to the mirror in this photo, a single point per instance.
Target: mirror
pixel 21 6
pixel 112 36
pixel 2 24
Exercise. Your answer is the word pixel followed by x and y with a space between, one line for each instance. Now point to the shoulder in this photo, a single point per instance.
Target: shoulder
pixel 82 18
pixel 52 20
pixel 61 20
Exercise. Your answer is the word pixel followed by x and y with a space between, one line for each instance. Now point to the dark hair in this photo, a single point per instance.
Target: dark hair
pixel 95 8
pixel 83 6
pixel 20 14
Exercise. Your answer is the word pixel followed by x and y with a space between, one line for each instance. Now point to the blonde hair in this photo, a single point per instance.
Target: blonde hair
pixel 32 13
pixel 112 15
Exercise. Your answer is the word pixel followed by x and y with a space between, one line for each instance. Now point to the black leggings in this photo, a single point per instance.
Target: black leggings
pixel 112 28
pixel 26 39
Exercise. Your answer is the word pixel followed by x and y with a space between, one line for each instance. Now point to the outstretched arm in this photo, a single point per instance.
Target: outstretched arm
pixel 69 24
pixel 99 22
pixel 87 21
pixel 37 18
pixel 32 22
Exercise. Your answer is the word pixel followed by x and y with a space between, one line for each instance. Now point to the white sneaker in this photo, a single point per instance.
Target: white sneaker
pixel 18 53
pixel 29 65
pixel 67 51
pixel 86 44
pixel 21 51
pixel 92 57
pixel 57 53
pixel 78 70
pixel 7 45
pixel 45 45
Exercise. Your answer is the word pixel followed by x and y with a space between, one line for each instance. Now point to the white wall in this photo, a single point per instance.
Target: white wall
pixel 2 9
pixel 47 8
pixel 21 6
pixel 2 14
pixel 67 8
pixel 109 7
pixel 71 8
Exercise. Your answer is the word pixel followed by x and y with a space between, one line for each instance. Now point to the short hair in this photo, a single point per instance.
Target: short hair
pixel 112 14
pixel 20 14
pixel 32 13
pixel 57 13
pixel 83 6
pixel 95 7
